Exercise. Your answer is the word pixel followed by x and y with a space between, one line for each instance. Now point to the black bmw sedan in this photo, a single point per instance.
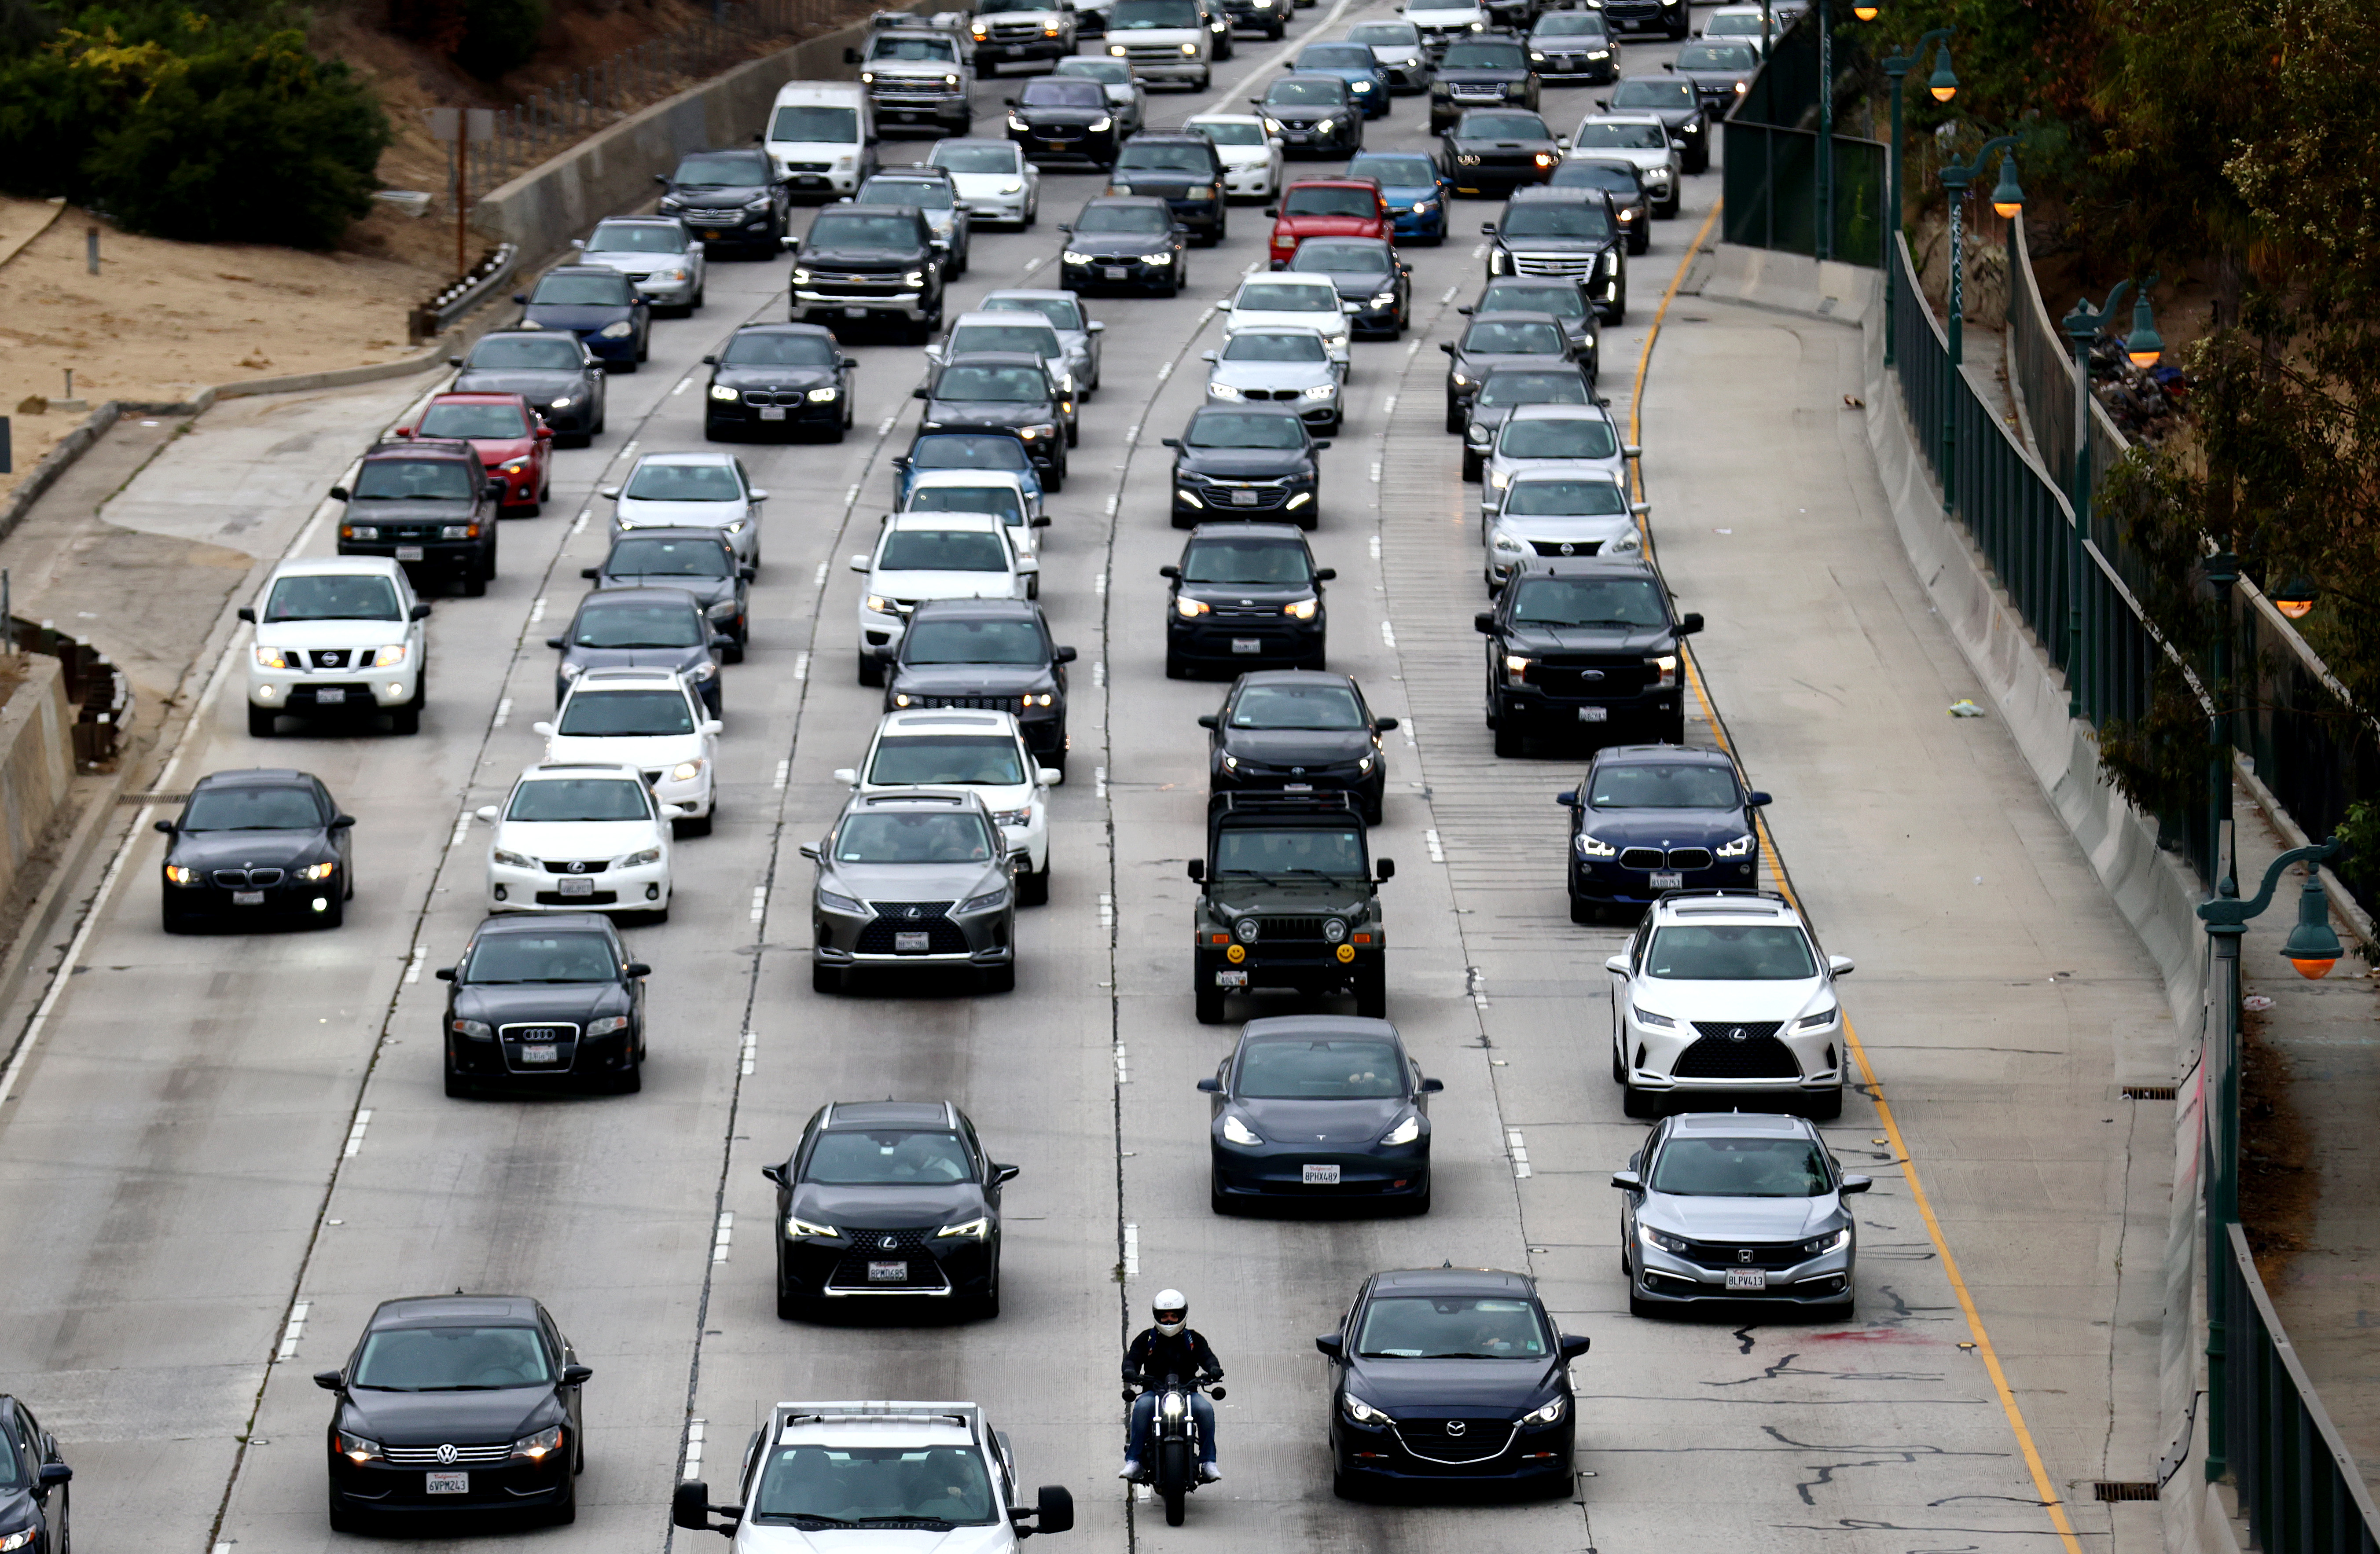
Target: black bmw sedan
pixel 1320 1109
pixel 1254 463
pixel 455 1404
pixel 887 1198
pixel 33 1476
pixel 1298 731
pixel 545 1003
pixel 1650 818
pixel 778 377
pixel 1450 1376
pixel 263 842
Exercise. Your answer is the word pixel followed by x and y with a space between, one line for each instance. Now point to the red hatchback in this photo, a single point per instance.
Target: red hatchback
pixel 512 442
pixel 1327 208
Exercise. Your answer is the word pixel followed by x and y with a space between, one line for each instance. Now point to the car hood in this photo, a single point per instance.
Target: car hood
pixel 1588 639
pixel 1557 244
pixel 1355 1123
pixel 1573 526
pixel 1713 79
pixel 1644 158
pixel 1454 1389
pixel 1480 364
pixel 582 317
pixel 238 849
pixel 640 751
pixel 1271 374
pixel 1673 117
pixel 1119 244
pixel 915 881
pixel 577 839
pixel 973 679
pixel 707 591
pixel 1245 156
pixel 1298 747
pixel 1343 898
pixel 1750 1220
pixel 1615 467
pixel 1259 463
pixel 1664 828
pixel 979 186
pixel 713 197
pixel 755 1537
pixel 1365 284
pixel 943 414
pixel 764 376
pixel 1329 226
pixel 500 1003
pixel 997 796
pixel 634 264
pixel 435 1418
pixel 538 386
pixel 888 1207
pixel 1326 324
pixel 683 660
pixel 1157 180
pixel 1405 194
pixel 1480 75
pixel 1306 112
pixel 378 509
pixel 493 451
pixel 676 515
pixel 863 259
pixel 329 633
pixel 1721 1002
pixel 941 585
pixel 1051 113
pixel 1475 146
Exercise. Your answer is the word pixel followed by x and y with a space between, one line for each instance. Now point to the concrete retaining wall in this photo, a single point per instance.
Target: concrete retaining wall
pixel 36 762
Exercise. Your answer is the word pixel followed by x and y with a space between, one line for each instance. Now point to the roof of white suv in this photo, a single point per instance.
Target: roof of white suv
pixel 1765 904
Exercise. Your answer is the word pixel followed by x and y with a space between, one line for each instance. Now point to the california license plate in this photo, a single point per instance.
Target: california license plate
pixel 1113 271
pixel 710 234
pixel 1055 145
pixel 912 944
pixel 409 552
pixel 855 313
pixel 772 412
pixel 1244 499
pixel 448 1482
pixel 1246 645
pixel 1322 1176
pixel 1232 978
pixel 329 696
pixel 1297 788
pixel 1666 880
pixel 1594 714
pixel 888 1273
pixel 546 1054
pixel 1746 1279
pixel 248 898
pixel 578 887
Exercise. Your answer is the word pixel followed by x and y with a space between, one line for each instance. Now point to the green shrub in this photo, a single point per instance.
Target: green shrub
pixel 499 36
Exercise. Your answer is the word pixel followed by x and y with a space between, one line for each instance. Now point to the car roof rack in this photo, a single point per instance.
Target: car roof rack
pixel 965 1415
pixel 1747 898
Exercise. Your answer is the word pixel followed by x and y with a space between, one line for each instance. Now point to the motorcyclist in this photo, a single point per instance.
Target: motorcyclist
pixel 1172 1347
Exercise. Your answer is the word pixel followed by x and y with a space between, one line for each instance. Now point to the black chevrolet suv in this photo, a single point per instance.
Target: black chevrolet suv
pixel 991 653
pixel 429 503
pixel 1289 897
pixel 1585 645
pixel 868 263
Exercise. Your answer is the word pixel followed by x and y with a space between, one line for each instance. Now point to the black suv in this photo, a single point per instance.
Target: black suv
pixel 993 653
pixel 876 261
pixel 1247 595
pixel 1480 73
pixel 428 503
pixel 729 197
pixel 1288 897
pixel 545 1001
pixel 1253 460
pixel 1571 233
pixel 1585 645
pixel 1181 167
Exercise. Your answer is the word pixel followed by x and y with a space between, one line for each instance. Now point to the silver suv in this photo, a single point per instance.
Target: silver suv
pixel 921 877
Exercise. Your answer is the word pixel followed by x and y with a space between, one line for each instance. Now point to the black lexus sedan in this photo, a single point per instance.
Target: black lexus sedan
pixel 1298 731
pixel 1493 340
pixel 700 561
pixel 560 378
pixel 597 304
pixel 647 627
pixel 1375 285
pixel 1246 595
pixel 1650 818
pixel 1064 119
pixel 1496 151
pixel 545 1003
pixel 1320 1109
pixel 1256 462
pixel 1585 645
pixel 1480 73
pixel 455 1404
pixel 263 842
pixel 1445 1377
pixel 1311 113
pixel 1126 241
pixel 778 377
pixel 987 652
pixel 730 198
pixel 888 1198
pixel 33 1477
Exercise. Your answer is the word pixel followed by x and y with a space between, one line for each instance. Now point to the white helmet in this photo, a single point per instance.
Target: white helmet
pixel 1171 1309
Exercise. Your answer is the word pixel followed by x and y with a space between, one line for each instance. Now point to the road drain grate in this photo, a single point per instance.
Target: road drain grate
pixel 2106 1490
pixel 2143 1092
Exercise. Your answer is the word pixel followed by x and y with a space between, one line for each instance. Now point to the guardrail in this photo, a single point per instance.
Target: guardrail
pixel 99 692
pixel 466 292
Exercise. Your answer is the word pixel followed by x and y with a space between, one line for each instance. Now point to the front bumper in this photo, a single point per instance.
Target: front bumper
pixel 748 227
pixel 1407 75
pixel 1065 142
pixel 1524 1455
pixel 999 207
pixel 1578 68
pixel 1327 780
pixel 1665 1278
pixel 1343 137
pixel 1527 707
pixel 818 180
pixel 611 347
pixel 1603 879
pixel 1428 221
pixel 292 690
pixel 500 1058
pixel 993 51
pixel 1369 320
pixel 1501 177
pixel 1306 967
pixel 750 410
pixel 1265 499
pixel 812 303
pixel 577 417
pixel 858 1265
pixel 858 940
pixel 918 107
pixel 645 888
pixel 1273 1170
pixel 1786 1064
pixel 428 556
pixel 1251 180
pixel 287 898
pixel 1273 638
pixel 1122 271
pixel 380 1488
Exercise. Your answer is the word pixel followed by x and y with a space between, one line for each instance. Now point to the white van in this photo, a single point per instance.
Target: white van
pixel 821 136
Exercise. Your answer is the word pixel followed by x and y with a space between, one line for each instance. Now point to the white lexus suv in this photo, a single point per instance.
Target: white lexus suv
pixel 980 750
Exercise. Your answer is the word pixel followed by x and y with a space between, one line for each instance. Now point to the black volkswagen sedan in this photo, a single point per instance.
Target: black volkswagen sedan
pixel 1244 595
pixel 1258 462
pixel 647 627
pixel 1375 285
pixel 545 1003
pixel 1450 1376
pixel 1064 119
pixel 1320 1109
pixel 887 1198
pixel 987 652
pixel 700 561
pixel 778 377
pixel 1298 731
pixel 1311 114
pixel 600 306
pixel 455 1404
pixel 1496 151
pixel 1181 167
pixel 1585 646
pixel 559 377
pixel 33 1476
pixel 1480 72
pixel 257 843
pixel 731 197
pixel 1124 241
pixel 1650 818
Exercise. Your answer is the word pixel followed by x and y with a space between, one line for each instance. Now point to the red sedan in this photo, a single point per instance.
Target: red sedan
pixel 1327 208
pixel 513 442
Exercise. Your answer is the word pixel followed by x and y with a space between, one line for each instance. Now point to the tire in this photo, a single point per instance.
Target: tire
pixel 1210 1001
pixel 789 1308
pixel 1033 889
pixel 1310 519
pixel 1176 667
pixel 407 720
pixel 475 585
pixel 986 1307
pixel 1372 994
pixel 1173 1477
pixel 633 1081
pixel 1055 481
pixel 1637 1305
pixel 1472 465
pixel 458 1089
pixel 827 980
pixel 1000 978
pixel 1420 1206
pixel 1074 433
pixel 567 1513
pixel 338 915
pixel 871 670
pixel 260 721
pixel 1342 1487
pixel 1619 1069
pixel 1206 79
pixel 169 920
pixel 1374 805
pixel 695 825
pixel 1216 1202
pixel 1508 741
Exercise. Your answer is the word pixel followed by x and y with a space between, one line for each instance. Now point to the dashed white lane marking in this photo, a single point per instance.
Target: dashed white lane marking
pixel 1480 251
pixel 1107 912
pixel 1376 547
pixel 1448 298
pixel 627 451
pixel 884 427
pixel 693 1450
pixel 1131 1251
pixel 819 581
pixel 1100 781
pixel 725 1234
pixel 1164 370
pixel 356 1134
pixel 1387 636
pixel 1123 1069
pixel 1405 727
pixel 785 768
pixel 1436 849
pixel 462 829
pixel 504 712
pixel 1389 405
pixel 850 494
pixel 1132 434
pixel 1112 506
pixel 801 670
pixel 578 525
pixel 1375 474
pixel 1099 672
pixel 537 612
pixel 760 901
pixel 295 1329
pixel 1035 266
pixel 1520 1152
pixel 682 384
pixel 1099 584
pixel 413 971
pixel 1476 983
pixel 751 1049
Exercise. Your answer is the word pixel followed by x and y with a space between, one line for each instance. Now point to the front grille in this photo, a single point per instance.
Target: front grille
pixel 1720 1056
pixel 1690 857
pixel 912 88
pixel 1570 265
pixel 921 1273
pixel 1155 53
pixel 1465 91
pixel 1745 1030
pixel 900 1241
pixel 712 218
pixel 435 1456
pixel 1278 930
pixel 1016 31
pixel 1679 857
pixel 561 1037
pixel 1603 680
pixel 1566 547
pixel 1244 495
pixel 929 917
pixel 972 703
pixel 331 658
pixel 1773 1255
pixel 593 898
pixel 1272 393
pixel 1455 1440
pixel 1268 612
pixel 808 166
pixel 577 866
pixel 247 879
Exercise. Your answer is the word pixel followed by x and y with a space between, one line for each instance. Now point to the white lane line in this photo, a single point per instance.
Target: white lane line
pixel 1480 251
pixel 801 671
pixel 1164 370
pixel 504 712
pixel 725 1235
pixel 627 451
pixel 1099 584
pixel 537 612
pixel 784 769
pixel 1112 506
pixel 1107 913
pixel 884 427
pixel 1035 266
pixel 751 1049
pixel 1100 781
pixel 1099 672
pixel 1405 727
pixel 578 524
pixel 1387 636
pixel 682 384
pixel 295 1329
pixel 1132 434
pixel 462 829
pixel 1131 1251
pixel 1412 346
pixel 1448 298
pixel 1476 983
pixel 1376 547
pixel 413 971
pixel 1519 1151
pixel 356 1134
pixel 819 581
pixel 850 494
pixel 1375 474
pixel 760 901
pixel 1436 851
pixel 693 1450
pixel 1123 1070
pixel 1389 405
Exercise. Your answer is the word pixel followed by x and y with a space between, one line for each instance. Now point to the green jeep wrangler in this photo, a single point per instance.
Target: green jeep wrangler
pixel 1289 899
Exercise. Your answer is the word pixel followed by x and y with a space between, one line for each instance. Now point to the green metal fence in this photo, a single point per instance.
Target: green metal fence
pixel 2298 1486
pixel 1771 189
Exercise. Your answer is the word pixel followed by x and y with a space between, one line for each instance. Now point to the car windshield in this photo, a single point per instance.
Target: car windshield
pixel 1482 56
pixel 635 236
pixel 1276 852
pixel 414 479
pixel 931 641
pixel 926 194
pixel 1512 337
pixel 667 558
pixel 1625 136
pixel 1063 312
pixel 580 799
pixel 583 291
pixel 1005 385
pixel 1730 953
pixel 1741 1168
pixel 1502 127
pixel 1362 1069
pixel 333 598
pixel 1115 72
pixel 1618 178
pixel 1295 94
pixel 1662 786
pixel 929 758
pixel 856 229
pixel 1060 91
pixel 626 715
pixel 894 1157
pixel 684 483
pixel 473 420
pixel 1341 258
pixel 1504 390
pixel 1034 339
pixel 1550 218
pixel 817 124
pixel 1582 601
pixel 1336 56
pixel 1564 499
pixel 722 170
pixel 938 49
pixel 911 1486
pixel 975 159
pixel 544 354
pixel 1271 345
pixel 1295 706
pixel 942 550
pixel 1414 172
pixel 542 957
pixel 766 348
pixel 456 1359
pixel 1140 16
pixel 969 450
pixel 1138 221
pixel 1452 1328
pixel 253 809
pixel 913 836
pixel 1166 157
pixel 1242 428
pixel 1276 297
pixel 1733 27
pixel 1570 24
pixel 998 501
pixel 638 625
pixel 1568 438
pixel 1563 301
pixel 1231 134
pixel 1385 34
pixel 1246 561
pixel 1718 56
pixel 1330 201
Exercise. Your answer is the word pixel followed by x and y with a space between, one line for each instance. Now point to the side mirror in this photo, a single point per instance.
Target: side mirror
pixel 1385 870
pixel 809 850
pixel 1206 720
pixel 721 644
pixel 1027 564
pixel 1574 1345
pixel 1677 145
pixel 1669 65
pixel 851 57
pixel 342 822
pixel 1487 230
pixel 1561 142
pixel 1756 799
pixel 1615 964
pixel 1063 655
pixel 1485 622
pixel 1386 725
pixel 713 726
pixel 553 642
pixel 330 1380
pixel 1068 228
pixel 1197 871
pixel 745 574
pixel 659 178
pixel 1631 450
pixel 1689 623
pixel 1603 101
pixel 590 571
pixel 53 1473
pixel 711 361
pixel 338 494
pixel 522 297
pixel 1095 327
pixel 418 612
pixel 756 494
pixel 578 1376
pixel 919 393
pixel 454 361
pixel 1627 1180
pixel 445 973
pixel 486 814
pixel 579 243
pixel 1005 1173
pixel 1325 574
pixel 1168 572
pixel 1433 1086
pixel 1208 355
pixel 1320 444
pixel 1169 441
pixel 248 614
pixel 690 1507
pixel 847 775
pixel 1446 346
pixel 1048 776
pixel 791 244
pixel 1840 965
pixel 1567 798
pixel 674 811
pixel 1211 1085
pixel 612 491
pixel 1053 1511
pixel 165 828
pixel 859 563
pixel 1851 1184
pixel 775 1172
pixel 1331 1344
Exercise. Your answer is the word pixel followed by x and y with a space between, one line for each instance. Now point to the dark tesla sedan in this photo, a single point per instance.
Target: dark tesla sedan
pixel 1124 241
pixel 1319 1108
pixel 655 628
pixel 1061 119
pixel 1254 463
pixel 257 843
pixel 1446 1377
pixel 778 377
pixel 699 561
pixel 1298 731
pixel 455 1404
pixel 559 377
pixel 600 306
pixel 1312 112
pixel 1243 594
pixel 1647 819
pixel 1496 151
pixel 887 1198
pixel 546 1001
pixel 1375 285
pixel 33 1476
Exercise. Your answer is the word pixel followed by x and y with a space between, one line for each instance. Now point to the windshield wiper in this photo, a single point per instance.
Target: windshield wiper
pixel 809 1516
pixel 463 1387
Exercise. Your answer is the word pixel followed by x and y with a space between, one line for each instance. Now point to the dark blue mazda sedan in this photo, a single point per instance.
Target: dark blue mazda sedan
pixel 1650 818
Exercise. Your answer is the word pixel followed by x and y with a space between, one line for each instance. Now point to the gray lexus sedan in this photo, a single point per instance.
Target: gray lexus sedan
pixel 914 878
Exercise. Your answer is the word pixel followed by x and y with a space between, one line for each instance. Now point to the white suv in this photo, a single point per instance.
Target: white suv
pixel 982 751
pixel 1727 992
pixel 336 635
pixel 920 557
pixel 580 838
pixel 648 718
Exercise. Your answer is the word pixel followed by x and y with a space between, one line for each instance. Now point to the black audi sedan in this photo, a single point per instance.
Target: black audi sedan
pixel 455 1404
pixel 1451 1377
pixel 1126 241
pixel 260 843
pixel 1298 731
pixel 700 561
pixel 558 376
pixel 1258 462
pixel 545 1003
pixel 986 652
pixel 1181 167
pixel 33 1477
pixel 778 377
pixel 888 1198
pixel 597 304
pixel 646 628
pixel 1496 151
pixel 1320 1109
pixel 1480 72
pixel 1650 818
pixel 732 197
pixel 1311 113
pixel 1064 119
pixel 1493 340
pixel 1585 647
pixel 1244 594
pixel 1375 285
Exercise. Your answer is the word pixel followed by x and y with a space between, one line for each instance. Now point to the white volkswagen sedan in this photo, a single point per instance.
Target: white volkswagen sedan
pixel 920 557
pixel 580 838
pixel 691 490
pixel 983 751
pixel 648 718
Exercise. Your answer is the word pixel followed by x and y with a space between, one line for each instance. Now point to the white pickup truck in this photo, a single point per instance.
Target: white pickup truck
pixel 918 69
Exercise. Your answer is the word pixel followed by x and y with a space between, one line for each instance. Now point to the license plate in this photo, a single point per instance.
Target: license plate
pixel 1246 645
pixel 1322 1176
pixel 1746 1279
pixel 1232 978
pixel 540 1054
pixel 329 696
pixel 1594 714
pixel 710 234
pixel 1113 271
pixel 409 552
pixel 811 180
pixel 248 898
pixel 888 1273
pixel 912 944
pixel 1668 879
pixel 855 313
pixel 1055 145
pixel 448 1482
pixel 577 887
pixel 1297 788
pixel 772 412
pixel 1244 499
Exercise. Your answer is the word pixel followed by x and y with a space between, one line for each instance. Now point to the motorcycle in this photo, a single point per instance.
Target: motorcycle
pixel 1172 1466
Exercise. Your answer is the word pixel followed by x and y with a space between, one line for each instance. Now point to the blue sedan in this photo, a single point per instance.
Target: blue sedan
pixel 1652 819
pixel 1000 450
pixel 599 305
pixel 1414 189
pixel 1355 64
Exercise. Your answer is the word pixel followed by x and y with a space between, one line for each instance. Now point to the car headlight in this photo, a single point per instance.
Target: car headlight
pixel 1384 299
pixel 1647 1018
pixel 619 331
pixel 950 80
pixel 877 604
pixel 478 1030
pixel 639 859
pixel 801 276
pixel 1536 58
pixel 1101 124
pixel 686 772
pixel 1322 391
pixel 273 658
pixel 1231 763
pixel 1818 1246
pixel 990 901
pixel 1594 847
pixel 1363 767
pixel 318 872
pixel 723 610
pixel 1014 820
pixel 179 875
pixel 1467 159
pixel 823 395
pixel 1040 699
pixel 532 323
pixel 1301 609
pixel 1163 256
pixel 563 402
pixel 1598 54
pixel 1667 1243
pixel 835 901
pixel 1744 86
pixel 1517 667
pixel 914 278
pixel 1361 86
pixel 1545 159
pixel 1274 127
pixel 721 391
pixel 976 1229
pixel 1191 609
pixel 1550 1413
pixel 513 860
pixel 796 1228
pixel 1073 256
pixel 1404 1132
pixel 1013 185
pixel 1421 207
pixel 1045 429
pixel 1116 48
pixel 516 467
pixel 1334 929
pixel 1664 671
pixel 1611 262
pixel 706 670
pixel 1224 391
pixel 1325 126
pixel 1627 544
pixel 357 1448
pixel 1459 377
pixel 1245 931
pixel 867 78
pixel 1820 1020
pixel 1737 848
pixel 1499 479
pixel 459 531
pixel 1360 1411
pixel 610 1025
pixel 1189 50
pixel 390 656
pixel 1237 1132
